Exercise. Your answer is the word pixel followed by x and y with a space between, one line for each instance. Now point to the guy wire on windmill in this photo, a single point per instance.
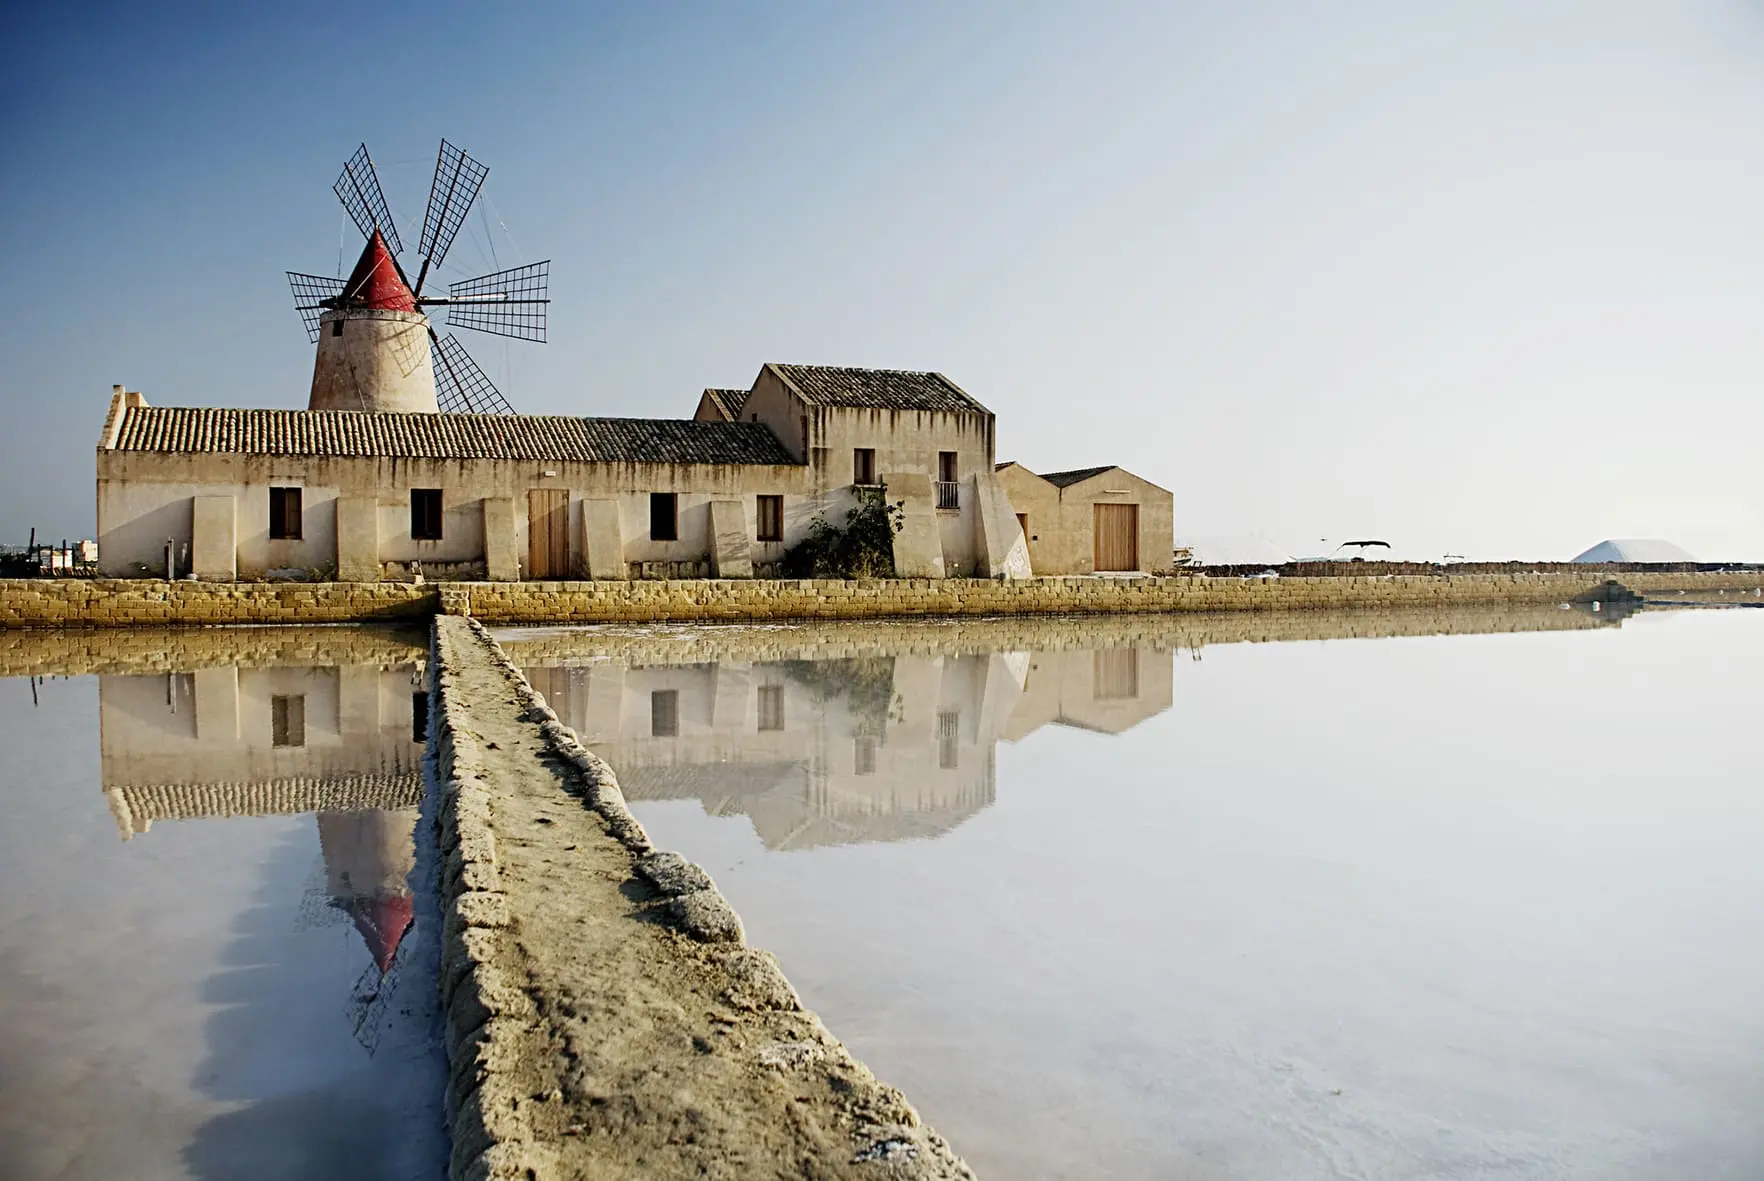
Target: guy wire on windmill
pixel 370 328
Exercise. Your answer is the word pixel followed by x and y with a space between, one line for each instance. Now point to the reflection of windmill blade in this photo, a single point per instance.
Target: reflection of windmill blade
pixel 460 386
pixel 506 303
pixel 310 294
pixel 458 178
pixel 359 190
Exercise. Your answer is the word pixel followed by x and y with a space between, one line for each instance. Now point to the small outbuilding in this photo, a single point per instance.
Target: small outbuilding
pixel 1091 520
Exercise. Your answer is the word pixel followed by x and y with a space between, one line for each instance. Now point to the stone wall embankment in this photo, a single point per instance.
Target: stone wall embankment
pixel 644 644
pixel 120 602
pixel 742 601
pixel 75 651
pixel 96 603
pixel 603 1015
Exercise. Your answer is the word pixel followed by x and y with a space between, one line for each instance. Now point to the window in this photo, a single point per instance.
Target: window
pixel 425 514
pixel 771 518
pixel 664 516
pixel 948 495
pixel 771 707
pixel 336 328
pixel 863 755
pixel 863 465
pixel 419 717
pixel 664 713
pixel 949 725
pixel 804 423
pixel 287 721
pixel 285 517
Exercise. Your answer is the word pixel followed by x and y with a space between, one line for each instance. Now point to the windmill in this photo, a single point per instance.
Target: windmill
pixel 377 349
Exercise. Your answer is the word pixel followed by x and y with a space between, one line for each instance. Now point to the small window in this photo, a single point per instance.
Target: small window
pixel 771 518
pixel 664 713
pixel 664 516
pixel 771 707
pixel 287 721
pixel 863 465
pixel 863 756
pixel 425 514
pixel 946 467
pixel 285 516
pixel 949 727
pixel 805 440
pixel 336 328
pixel 419 717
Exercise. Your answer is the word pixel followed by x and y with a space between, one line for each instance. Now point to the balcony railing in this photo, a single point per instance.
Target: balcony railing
pixel 948 495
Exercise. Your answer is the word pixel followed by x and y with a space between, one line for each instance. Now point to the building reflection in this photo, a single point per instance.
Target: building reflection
pixel 344 743
pixel 880 746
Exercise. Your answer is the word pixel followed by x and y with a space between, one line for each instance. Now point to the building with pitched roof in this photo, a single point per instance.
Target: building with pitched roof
pixel 370 482
pixel 1092 520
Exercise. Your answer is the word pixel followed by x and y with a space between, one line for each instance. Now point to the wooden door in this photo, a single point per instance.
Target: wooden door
pixel 1117 537
pixel 548 533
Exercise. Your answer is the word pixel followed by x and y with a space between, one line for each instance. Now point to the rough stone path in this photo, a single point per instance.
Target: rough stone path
pixel 605 1019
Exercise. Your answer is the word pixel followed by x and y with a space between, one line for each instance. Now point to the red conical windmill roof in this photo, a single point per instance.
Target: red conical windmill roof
pixel 376 283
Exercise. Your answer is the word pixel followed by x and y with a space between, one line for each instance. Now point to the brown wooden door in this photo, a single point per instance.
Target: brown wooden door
pixel 1117 537
pixel 548 533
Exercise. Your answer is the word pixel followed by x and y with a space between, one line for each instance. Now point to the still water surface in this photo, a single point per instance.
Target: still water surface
pixel 1461 906
pixel 215 961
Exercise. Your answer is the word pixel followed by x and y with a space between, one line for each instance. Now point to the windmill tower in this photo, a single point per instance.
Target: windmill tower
pixel 376 348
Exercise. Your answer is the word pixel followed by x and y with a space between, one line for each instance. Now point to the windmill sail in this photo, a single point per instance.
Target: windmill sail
pixel 504 303
pixel 460 386
pixel 313 294
pixel 458 178
pixel 359 190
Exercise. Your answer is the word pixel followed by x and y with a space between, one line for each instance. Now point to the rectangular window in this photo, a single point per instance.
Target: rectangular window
pixel 336 328
pixel 285 516
pixel 863 755
pixel 771 518
pixel 949 726
pixel 946 467
pixel 419 717
pixel 287 721
pixel 863 465
pixel 664 713
pixel 771 707
pixel 425 514
pixel 948 491
pixel 664 516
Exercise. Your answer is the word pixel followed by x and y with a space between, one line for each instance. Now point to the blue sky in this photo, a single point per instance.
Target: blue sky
pixel 1481 279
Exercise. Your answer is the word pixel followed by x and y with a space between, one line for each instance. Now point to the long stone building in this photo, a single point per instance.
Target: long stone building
pixel 373 482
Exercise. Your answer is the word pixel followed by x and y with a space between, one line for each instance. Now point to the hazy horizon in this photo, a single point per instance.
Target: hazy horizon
pixel 1471 279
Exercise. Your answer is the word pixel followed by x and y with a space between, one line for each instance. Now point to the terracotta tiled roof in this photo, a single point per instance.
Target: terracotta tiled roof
pixel 881 389
pixel 447 436
pixel 1076 476
pixel 729 402
pixel 140 804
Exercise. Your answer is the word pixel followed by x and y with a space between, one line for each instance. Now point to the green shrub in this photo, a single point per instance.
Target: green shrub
pixel 863 549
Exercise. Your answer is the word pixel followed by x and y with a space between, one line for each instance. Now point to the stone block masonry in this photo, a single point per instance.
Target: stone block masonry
pixel 604 1017
pixel 137 603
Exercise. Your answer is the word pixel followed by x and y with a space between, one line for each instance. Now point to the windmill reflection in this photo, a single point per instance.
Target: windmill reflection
pixel 844 750
pixel 343 743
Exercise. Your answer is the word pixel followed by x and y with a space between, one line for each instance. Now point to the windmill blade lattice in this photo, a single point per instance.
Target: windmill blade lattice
pixel 460 386
pixel 458 178
pixel 504 303
pixel 359 190
pixel 311 293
